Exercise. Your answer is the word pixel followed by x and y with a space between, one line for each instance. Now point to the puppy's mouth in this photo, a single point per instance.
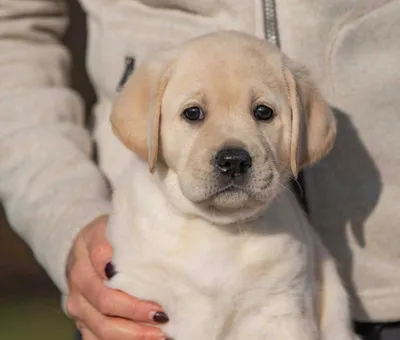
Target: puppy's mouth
pixel 230 197
pixel 226 194
pixel 230 187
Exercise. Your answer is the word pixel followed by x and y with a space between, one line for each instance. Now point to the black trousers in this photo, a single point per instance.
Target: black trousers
pixel 378 331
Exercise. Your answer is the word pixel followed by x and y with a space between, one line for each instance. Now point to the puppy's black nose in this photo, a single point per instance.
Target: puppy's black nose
pixel 233 162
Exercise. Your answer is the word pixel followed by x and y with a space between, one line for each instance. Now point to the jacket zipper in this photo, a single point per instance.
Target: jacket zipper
pixel 272 35
pixel 270 22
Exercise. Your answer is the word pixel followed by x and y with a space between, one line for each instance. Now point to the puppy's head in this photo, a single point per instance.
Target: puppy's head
pixel 224 120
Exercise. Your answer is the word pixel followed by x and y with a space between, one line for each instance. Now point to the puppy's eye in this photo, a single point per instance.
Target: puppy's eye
pixel 193 113
pixel 263 112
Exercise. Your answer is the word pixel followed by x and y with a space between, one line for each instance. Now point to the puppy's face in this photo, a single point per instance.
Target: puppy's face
pixel 225 129
pixel 226 126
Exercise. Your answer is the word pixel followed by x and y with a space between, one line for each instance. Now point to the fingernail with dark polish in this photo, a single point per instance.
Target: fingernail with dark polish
pixel 110 270
pixel 161 317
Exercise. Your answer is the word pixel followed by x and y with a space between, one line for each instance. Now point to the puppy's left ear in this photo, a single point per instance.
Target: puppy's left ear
pixel 136 115
pixel 313 122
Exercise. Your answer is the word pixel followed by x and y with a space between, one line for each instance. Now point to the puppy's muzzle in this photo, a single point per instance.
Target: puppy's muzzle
pixel 232 162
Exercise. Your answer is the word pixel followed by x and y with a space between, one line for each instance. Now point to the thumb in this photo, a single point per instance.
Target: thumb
pixel 100 250
pixel 100 257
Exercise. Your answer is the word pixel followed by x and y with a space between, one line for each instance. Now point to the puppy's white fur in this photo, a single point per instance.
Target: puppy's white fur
pixel 225 265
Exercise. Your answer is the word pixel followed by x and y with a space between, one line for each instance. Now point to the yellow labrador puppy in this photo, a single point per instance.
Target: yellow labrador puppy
pixel 203 222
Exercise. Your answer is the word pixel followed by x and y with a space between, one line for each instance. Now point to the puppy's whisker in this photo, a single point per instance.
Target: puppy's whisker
pixel 298 185
pixel 284 187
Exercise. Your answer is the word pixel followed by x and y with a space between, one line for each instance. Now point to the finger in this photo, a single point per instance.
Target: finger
pixel 86 334
pixel 80 325
pixel 100 255
pixel 113 302
pixel 119 304
pixel 108 328
pixel 100 250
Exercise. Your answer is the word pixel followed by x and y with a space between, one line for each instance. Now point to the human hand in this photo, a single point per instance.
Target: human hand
pixel 102 313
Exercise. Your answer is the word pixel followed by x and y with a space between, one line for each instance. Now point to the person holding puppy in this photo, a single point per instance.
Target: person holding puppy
pixel 57 198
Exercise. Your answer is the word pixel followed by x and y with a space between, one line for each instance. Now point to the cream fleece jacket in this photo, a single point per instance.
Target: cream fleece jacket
pixel 51 188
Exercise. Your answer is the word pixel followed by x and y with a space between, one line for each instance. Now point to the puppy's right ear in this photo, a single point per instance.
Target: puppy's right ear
pixel 136 115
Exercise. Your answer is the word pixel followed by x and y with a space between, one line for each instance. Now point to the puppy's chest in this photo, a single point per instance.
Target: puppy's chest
pixel 208 259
